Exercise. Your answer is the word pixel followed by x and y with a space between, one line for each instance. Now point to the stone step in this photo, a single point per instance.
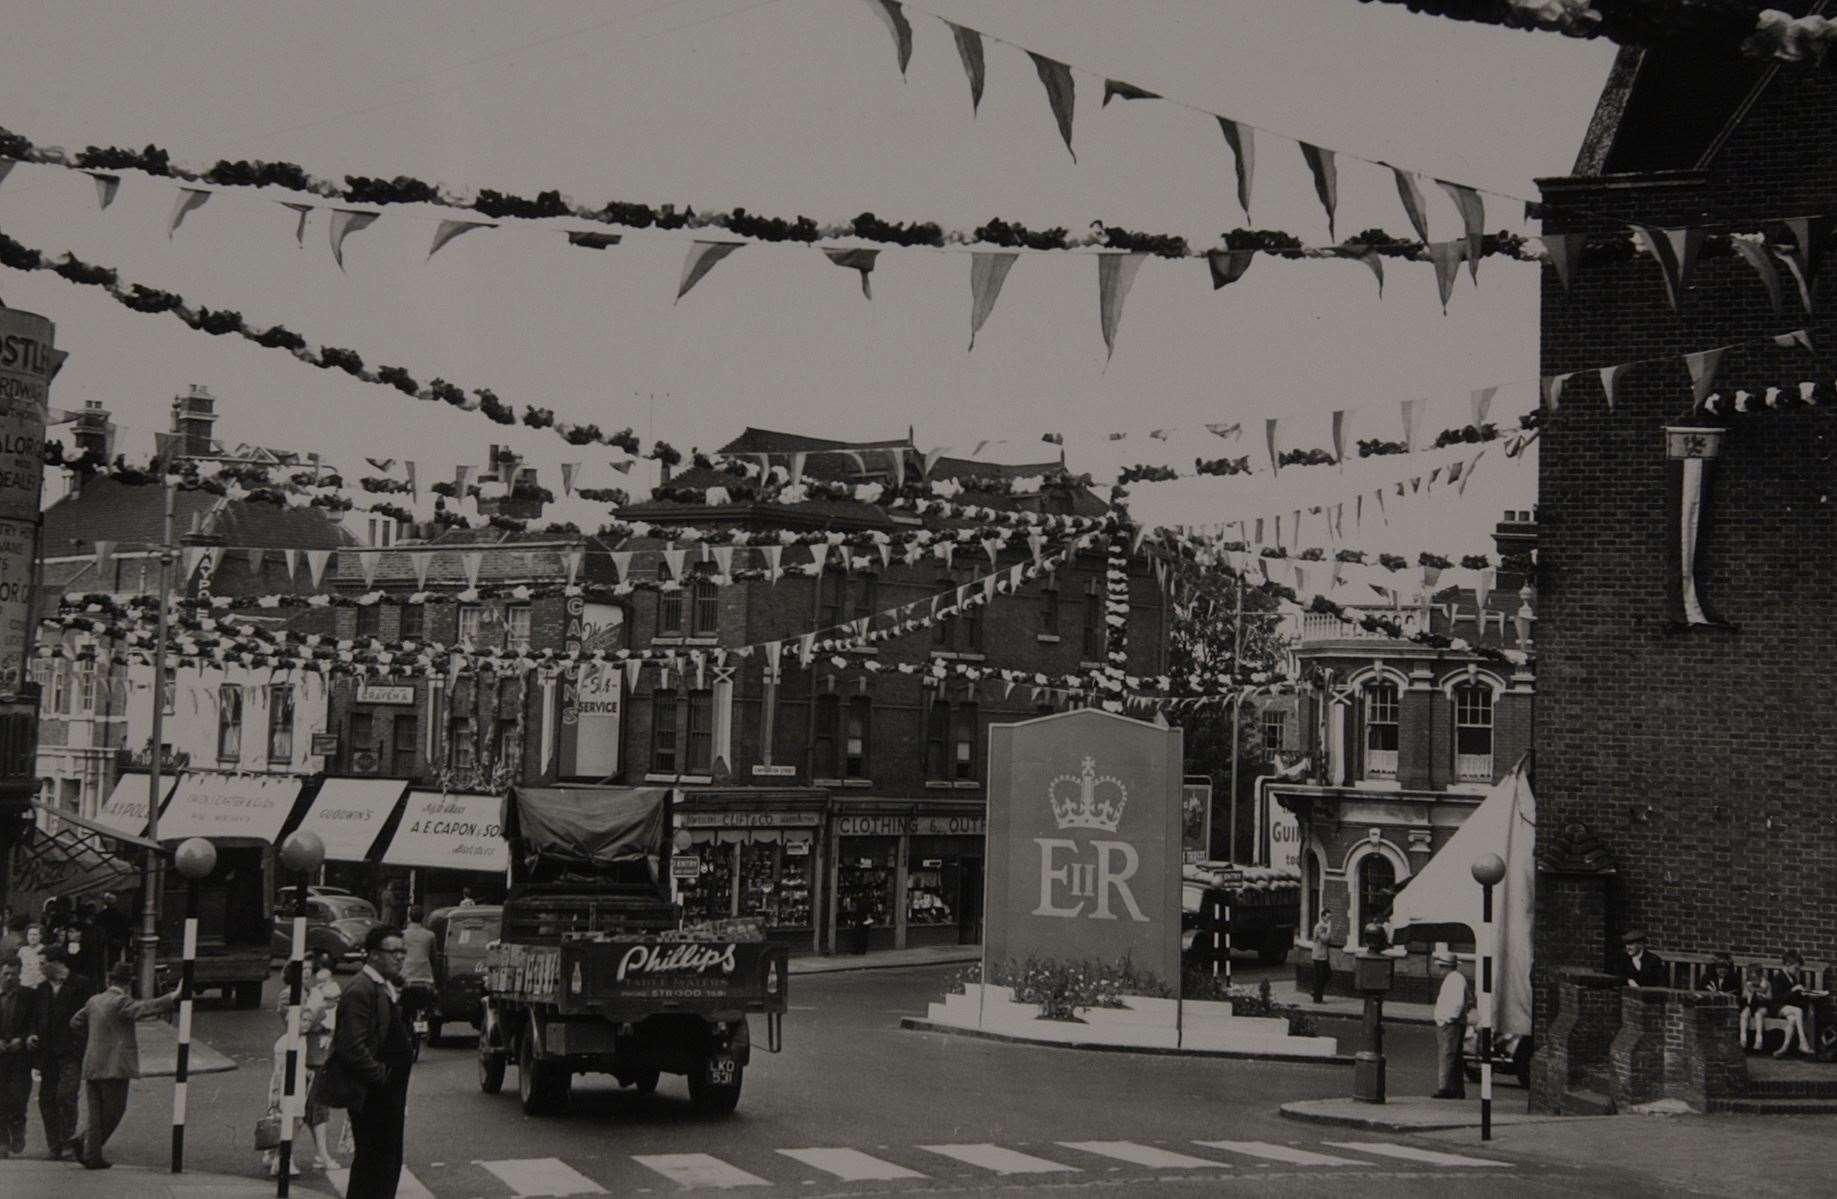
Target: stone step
pixel 1775 1106
pixel 1792 1088
pixel 1580 1102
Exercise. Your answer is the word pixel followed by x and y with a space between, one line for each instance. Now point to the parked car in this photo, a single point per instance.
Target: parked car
pixel 460 937
pixel 336 925
pixel 1511 1057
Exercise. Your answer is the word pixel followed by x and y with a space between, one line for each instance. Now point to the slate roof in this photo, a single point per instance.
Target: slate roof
pixel 109 510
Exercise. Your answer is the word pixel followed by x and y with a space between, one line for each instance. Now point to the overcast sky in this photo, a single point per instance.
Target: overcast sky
pixel 788 107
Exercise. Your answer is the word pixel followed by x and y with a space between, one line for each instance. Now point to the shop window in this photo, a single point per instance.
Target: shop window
pixel 1473 733
pixel 413 619
pixel 775 883
pixel 471 624
pixel 516 627
pixel 369 621
pixel 710 894
pixel 669 613
pixel 1049 608
pixel 1381 730
pixel 280 723
pixel 1377 886
pixel 823 762
pixel 865 875
pixel 855 739
pixel 229 722
pixel 963 742
pixel 1093 621
pixel 1274 724
pixel 407 731
pixel 705 608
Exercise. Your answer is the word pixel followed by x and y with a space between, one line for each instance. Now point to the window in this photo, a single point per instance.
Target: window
pixel 369 620
pixel 280 723
pixel 1377 886
pixel 937 735
pixel 701 732
pixel 413 621
pixel 867 598
pixel 963 742
pixel 1274 724
pixel 462 744
pixel 516 627
pixel 704 609
pixel 832 596
pixel 669 614
pixel 1093 621
pixel 229 722
pixel 972 624
pixel 471 622
pixel 1381 730
pixel 823 763
pixel 941 631
pixel 505 744
pixel 664 742
pixel 86 688
pixel 407 730
pixel 1049 608
pixel 1473 732
pixel 60 688
pixel 682 732
pixel 363 740
pixel 855 739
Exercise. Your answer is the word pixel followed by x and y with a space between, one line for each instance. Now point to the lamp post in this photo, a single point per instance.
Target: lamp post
pixel 1488 870
pixel 195 859
pixel 302 854
pixel 1372 973
pixel 149 871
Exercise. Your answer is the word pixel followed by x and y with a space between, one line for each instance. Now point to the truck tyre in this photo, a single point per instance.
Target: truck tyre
pixel 541 1085
pixel 490 1068
pixel 645 1081
pixel 246 995
pixel 711 1100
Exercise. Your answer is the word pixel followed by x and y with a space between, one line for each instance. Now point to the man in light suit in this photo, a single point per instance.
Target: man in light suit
pixel 111 1060
pixel 367 1071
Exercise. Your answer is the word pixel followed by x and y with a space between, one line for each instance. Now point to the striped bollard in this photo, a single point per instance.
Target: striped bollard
pixel 1215 938
pixel 1488 871
pixel 195 859
pixel 1227 946
pixel 302 853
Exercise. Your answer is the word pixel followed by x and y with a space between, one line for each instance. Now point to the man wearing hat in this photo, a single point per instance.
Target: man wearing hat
pixel 1451 1004
pixel 59 1049
pixel 1642 967
pixel 111 1057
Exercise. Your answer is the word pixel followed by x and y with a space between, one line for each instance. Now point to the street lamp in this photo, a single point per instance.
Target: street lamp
pixel 1372 973
pixel 1488 870
pixel 302 854
pixel 195 859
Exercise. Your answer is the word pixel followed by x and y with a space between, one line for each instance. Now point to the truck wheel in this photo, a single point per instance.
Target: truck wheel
pixel 490 1069
pixel 645 1081
pixel 541 1085
pixel 247 995
pixel 712 1100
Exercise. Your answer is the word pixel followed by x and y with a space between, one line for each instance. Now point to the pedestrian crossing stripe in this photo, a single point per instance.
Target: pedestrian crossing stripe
pixel 849 1165
pixel 1143 1155
pixel 409 1187
pixel 546 1176
pixel 1428 1157
pixel 698 1170
pixel 1288 1155
pixel 998 1159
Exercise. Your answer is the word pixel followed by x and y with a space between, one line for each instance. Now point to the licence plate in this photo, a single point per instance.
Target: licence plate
pixel 721 1071
pixel 420 1026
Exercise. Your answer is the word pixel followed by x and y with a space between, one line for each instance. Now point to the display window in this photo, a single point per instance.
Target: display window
pixel 866 870
pixel 926 902
pixel 710 894
pixel 775 882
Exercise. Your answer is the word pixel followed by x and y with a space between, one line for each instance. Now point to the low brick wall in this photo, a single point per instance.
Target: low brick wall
pixel 1580 1037
pixel 1637 1058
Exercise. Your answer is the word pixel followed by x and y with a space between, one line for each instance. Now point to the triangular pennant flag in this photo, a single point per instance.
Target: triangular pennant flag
pixel 702 257
pixel 1326 179
pixel 1339 436
pixel 1610 379
pixel 315 565
pixel 300 212
pixel 567 477
pixel 1413 207
pixel 447 230
pixel 1410 414
pixel 106 187
pixel 1228 266
pixel 1481 400
pixel 1242 140
pixel 621 565
pixel 58 358
pixel 1798 337
pixel 1373 262
pixel 293 562
pixel 570 562
pixel 632 667
pixel 472 560
pixel 856 260
pixel 1565 254
pixel 1473 221
pixel 6 167
pixel 819 557
pixel 462 480
pixel 969 49
pixel 1117 89
pixel 1446 255
pixel 190 200
pixel 421 562
pixel 1685 245
pixel 408 473
pixel 674 555
pixel 1808 234
pixel 1702 366
pixel 1269 436
pixel 256 554
pixel 1662 253
pixel 724 559
pixel 1553 390
pixel 797 466
pixel 893 15
pixel 1115 276
pixel 367 564
pixel 886 553
pixel 1760 258
pixel 593 241
pixel 1061 93
pixel 774 556
pixel 1484 581
pixel 346 221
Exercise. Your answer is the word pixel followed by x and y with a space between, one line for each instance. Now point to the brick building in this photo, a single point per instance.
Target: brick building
pixel 1403 741
pixel 1692 756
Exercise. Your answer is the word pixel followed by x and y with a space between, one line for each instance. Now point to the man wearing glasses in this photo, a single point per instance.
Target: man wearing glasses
pixel 367 1070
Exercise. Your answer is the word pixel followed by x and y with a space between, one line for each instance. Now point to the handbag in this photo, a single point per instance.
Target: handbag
pixel 268 1130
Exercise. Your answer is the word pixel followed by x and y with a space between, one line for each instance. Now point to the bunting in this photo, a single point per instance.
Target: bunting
pixel 472 560
pixel 1480 401
pixel 1242 140
pixel 988 271
pixel 1659 246
pixel 367 564
pixel 892 14
pixel 1702 365
pixel 447 230
pixel 1115 276
pixel 1610 380
pixel 300 212
pixel 1228 266
pixel 1269 436
pixel 106 187
pixel 1326 179
pixel 568 470
pixel 1473 220
pixel 1446 255
pixel 855 260
pixel 969 50
pixel 344 222
pixel 702 257
pixel 1565 251
pixel 421 562
pixel 1413 206
pixel 570 562
pixel 1117 89
pixel 190 200
pixel 315 565
pixel 1757 256
pixel 1061 94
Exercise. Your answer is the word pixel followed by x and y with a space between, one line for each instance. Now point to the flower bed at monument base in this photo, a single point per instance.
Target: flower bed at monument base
pixel 1144 1023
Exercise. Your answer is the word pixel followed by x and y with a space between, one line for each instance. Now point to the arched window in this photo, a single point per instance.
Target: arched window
pixel 1377 886
pixel 1381 730
pixel 1473 733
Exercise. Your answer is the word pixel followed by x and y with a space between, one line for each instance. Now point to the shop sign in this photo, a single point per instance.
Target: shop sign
pixel 1084 843
pixel 386 693
pixel 685 868
pixel 1284 837
pixel 1192 857
pixel 1196 819
pixel 325 744
pixel 591 698
pixel 932 864
pixel 927 826
pixel 797 849
pixel 774 772
pixel 748 819
pixel 592 626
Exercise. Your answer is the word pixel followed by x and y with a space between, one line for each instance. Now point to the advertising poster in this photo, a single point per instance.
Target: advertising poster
pixel 591 696
pixel 1196 819
pixel 26 366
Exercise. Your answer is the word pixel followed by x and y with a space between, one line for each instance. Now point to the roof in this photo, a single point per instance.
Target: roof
pixel 770 441
pixel 1667 110
pixel 502 560
pixel 106 509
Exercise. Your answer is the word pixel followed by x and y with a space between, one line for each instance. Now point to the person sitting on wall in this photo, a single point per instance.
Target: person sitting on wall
pixel 1642 967
pixel 1790 997
pixel 1756 994
pixel 1722 978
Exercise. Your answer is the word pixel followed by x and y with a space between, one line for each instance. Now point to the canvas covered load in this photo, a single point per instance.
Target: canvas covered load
pixel 558 833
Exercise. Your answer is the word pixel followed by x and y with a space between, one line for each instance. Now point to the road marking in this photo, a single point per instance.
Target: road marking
pixel 533 1176
pixel 1002 1161
pixel 1142 1155
pixel 408 1188
pixel 1285 1154
pixel 850 1165
pixel 698 1170
pixel 1408 1154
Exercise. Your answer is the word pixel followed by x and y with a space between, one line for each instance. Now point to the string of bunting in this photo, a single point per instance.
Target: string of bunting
pixel 1729 27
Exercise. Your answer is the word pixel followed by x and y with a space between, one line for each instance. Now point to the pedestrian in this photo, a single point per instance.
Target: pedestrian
pixel 1642 968
pixel 1451 1004
pixel 1322 956
pixel 1722 978
pixel 12 937
pixel 15 1059
pixel 465 898
pixel 60 1051
pixel 367 1073
pixel 112 930
pixel 31 957
pixel 111 1059
pixel 317 1003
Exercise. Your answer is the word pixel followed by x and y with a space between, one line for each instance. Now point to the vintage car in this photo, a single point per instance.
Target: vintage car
pixel 336 926
pixel 460 937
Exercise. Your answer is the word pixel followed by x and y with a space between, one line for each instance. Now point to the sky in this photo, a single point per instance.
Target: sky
pixel 789 107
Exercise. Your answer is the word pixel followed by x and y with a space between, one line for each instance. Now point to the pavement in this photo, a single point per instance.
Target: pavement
pixel 889 959
pixel 1414 1113
pixel 1283 989
pixel 26 1179
pixel 159 1052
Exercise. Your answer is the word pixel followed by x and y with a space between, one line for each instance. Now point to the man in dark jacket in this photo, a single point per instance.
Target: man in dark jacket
pixel 1642 967
pixel 367 1071
pixel 60 1051
pixel 15 1059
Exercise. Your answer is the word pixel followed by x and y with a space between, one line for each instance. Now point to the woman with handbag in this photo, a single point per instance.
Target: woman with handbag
pixel 318 1009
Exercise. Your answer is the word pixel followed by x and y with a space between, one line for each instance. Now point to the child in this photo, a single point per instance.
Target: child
pixel 1755 996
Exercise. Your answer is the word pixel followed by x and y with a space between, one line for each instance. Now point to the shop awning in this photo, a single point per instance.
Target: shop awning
pixel 450 832
pixel 126 809
pixel 250 807
pixel 347 814
pixel 68 862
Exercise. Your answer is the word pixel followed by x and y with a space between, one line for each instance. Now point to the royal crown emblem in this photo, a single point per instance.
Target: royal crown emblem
pixel 1088 800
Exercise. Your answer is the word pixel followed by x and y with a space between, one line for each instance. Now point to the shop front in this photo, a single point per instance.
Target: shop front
pixel 908 874
pixel 752 852
pixel 451 846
